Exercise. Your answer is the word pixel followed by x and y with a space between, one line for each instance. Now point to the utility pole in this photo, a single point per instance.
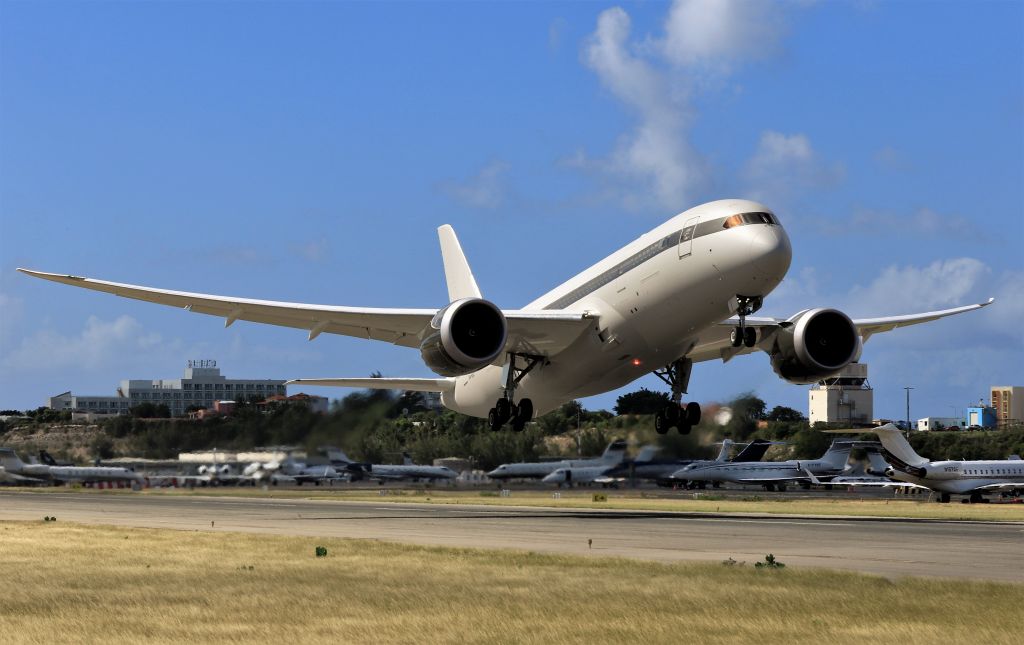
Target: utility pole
pixel 908 389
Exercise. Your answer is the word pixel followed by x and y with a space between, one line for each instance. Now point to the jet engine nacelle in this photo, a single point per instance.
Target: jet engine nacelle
pixel 466 335
pixel 816 344
pixel 940 471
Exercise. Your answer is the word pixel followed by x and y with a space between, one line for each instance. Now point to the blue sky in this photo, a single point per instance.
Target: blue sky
pixel 307 152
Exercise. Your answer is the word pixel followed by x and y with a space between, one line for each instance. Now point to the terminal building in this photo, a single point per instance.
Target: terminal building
pixel 845 398
pixel 201 385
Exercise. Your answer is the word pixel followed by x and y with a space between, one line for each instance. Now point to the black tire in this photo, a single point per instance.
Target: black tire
pixel 735 337
pixel 684 427
pixel 661 424
pixel 503 408
pixel 525 411
pixel 781 488
pixel 693 413
pixel 944 498
pixel 672 414
pixel 749 336
pixel 492 420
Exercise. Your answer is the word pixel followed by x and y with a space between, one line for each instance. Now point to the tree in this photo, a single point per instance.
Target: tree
pixel 782 413
pixel 643 401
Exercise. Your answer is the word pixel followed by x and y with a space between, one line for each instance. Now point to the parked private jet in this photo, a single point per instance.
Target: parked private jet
pixel 773 474
pixel 612 456
pixel 18 471
pixel 971 478
pixel 407 470
pixel 680 294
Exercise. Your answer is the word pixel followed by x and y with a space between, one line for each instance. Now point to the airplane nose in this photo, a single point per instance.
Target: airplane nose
pixel 770 246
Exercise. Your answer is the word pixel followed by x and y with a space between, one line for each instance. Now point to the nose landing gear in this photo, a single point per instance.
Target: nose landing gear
pixel 504 409
pixel 743 335
pixel 675 414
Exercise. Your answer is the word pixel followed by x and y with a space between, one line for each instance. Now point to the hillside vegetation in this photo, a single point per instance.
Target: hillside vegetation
pixel 378 426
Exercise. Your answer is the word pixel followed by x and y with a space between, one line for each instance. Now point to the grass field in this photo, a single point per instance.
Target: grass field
pixel 74 583
pixel 841 503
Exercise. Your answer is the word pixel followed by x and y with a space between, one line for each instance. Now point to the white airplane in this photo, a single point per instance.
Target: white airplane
pixel 772 474
pixel 16 470
pixel 647 466
pixel 407 470
pixel 612 456
pixel 680 294
pixel 971 478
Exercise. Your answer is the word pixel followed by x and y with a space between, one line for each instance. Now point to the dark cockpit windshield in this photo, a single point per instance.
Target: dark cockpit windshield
pixel 741 219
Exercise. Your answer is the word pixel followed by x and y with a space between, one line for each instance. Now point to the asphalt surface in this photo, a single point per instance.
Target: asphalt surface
pixel 975 550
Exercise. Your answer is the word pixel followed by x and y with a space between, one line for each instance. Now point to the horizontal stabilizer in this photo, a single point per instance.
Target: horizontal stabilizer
pixel 409 384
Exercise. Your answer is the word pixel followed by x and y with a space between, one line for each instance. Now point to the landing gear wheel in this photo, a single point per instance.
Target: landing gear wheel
pixel 944 498
pixel 492 420
pixel 736 336
pixel 661 424
pixel 749 336
pixel 684 427
pixel 672 414
pixel 524 412
pixel 503 409
pixel 693 413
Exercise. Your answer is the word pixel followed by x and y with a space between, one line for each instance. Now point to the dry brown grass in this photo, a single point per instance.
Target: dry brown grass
pixel 71 583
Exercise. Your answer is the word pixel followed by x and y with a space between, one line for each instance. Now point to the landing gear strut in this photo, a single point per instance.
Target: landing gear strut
pixel 675 414
pixel 504 409
pixel 743 335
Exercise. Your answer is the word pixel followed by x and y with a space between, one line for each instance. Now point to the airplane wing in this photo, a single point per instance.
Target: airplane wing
pixel 714 343
pixel 1001 485
pixel 544 333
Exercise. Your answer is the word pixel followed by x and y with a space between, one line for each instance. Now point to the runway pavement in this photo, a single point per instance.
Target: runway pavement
pixel 992 551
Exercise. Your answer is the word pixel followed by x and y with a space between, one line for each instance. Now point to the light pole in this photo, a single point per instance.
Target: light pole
pixel 908 389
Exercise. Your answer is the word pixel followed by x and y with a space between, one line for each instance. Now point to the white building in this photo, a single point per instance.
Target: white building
pixel 201 385
pixel 846 398
pixel 940 423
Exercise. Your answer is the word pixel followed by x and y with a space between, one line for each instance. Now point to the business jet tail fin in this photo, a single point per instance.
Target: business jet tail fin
pixel 458 275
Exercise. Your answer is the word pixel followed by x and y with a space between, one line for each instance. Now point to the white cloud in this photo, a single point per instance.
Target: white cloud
pixel 891 159
pixel 716 34
pixel 98 344
pixel 656 152
pixel 485 190
pixel 657 78
pixel 784 165
pixel 944 283
pixel 314 251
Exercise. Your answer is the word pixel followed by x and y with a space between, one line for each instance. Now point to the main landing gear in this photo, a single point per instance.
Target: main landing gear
pixel 743 335
pixel 675 414
pixel 504 410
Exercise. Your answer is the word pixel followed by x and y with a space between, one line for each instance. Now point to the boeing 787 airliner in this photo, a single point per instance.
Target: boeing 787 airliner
pixel 680 294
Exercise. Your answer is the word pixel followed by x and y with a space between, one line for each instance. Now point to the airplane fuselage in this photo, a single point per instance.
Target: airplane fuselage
pixel 649 301
pixel 757 472
pixel 963 477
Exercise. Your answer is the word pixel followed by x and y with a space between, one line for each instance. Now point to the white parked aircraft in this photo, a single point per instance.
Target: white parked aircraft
pixel 972 478
pixel 612 456
pixel 18 471
pixel 680 294
pixel 772 474
pixel 407 470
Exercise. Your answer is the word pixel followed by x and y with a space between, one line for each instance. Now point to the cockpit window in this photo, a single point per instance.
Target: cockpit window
pixel 735 220
pixel 749 218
